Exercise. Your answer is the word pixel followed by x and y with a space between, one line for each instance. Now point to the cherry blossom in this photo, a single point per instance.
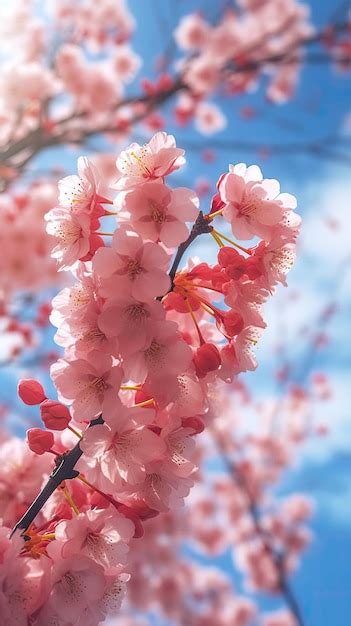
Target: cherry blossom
pixel 89 386
pixel 154 160
pixel 253 205
pixel 159 213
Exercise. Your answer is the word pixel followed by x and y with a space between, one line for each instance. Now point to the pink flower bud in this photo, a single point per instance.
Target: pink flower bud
pixel 233 323
pixel 206 359
pixel 30 391
pixel 55 415
pixel 39 441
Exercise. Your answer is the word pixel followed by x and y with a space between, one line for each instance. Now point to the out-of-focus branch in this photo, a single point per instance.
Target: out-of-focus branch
pixel 277 558
pixel 19 153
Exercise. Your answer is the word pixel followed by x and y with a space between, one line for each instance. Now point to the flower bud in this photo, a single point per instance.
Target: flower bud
pixel 233 323
pixel 39 441
pixel 30 391
pixel 55 415
pixel 206 359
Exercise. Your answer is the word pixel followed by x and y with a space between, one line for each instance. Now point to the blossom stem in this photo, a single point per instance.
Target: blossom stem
pixel 70 500
pixel 201 339
pixel 104 234
pixel 211 216
pixel 104 495
pixel 75 432
pixel 130 387
pixel 145 403
pixel 237 245
pixel 217 239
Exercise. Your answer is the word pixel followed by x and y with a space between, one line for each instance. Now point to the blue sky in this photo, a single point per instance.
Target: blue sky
pixel 323 189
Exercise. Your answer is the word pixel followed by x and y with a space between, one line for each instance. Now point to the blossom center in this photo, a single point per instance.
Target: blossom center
pixel 156 213
pixel 134 268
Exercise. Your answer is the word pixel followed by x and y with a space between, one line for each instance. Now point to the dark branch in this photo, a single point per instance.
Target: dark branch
pixel 64 471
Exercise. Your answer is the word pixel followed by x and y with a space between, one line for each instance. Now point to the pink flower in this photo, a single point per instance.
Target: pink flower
pixel 253 206
pixel 23 581
pixel 72 234
pixel 73 302
pixel 122 448
pixel 132 267
pixel 192 32
pixel 159 213
pixel 162 489
pixel 125 63
pixel 164 356
pixel 90 385
pixel 128 320
pixel 275 260
pixel 77 584
pixel 155 159
pixel 209 118
pixel 80 194
pixel 100 535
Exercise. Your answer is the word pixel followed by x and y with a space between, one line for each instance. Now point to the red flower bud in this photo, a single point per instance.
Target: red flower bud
pixel 30 391
pixel 233 323
pixel 55 415
pixel 206 359
pixel 39 441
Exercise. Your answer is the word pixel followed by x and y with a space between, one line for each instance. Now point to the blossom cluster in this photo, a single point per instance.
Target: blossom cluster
pixel 144 343
pixel 235 52
pixel 218 517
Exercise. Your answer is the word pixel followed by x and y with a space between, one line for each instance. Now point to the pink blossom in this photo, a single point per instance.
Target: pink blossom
pixel 275 260
pixel 192 32
pixel 80 194
pixel 128 320
pixel 253 206
pixel 72 233
pixel 132 266
pixel 89 385
pixel 101 536
pixel 209 118
pixel 155 159
pixel 78 583
pixel 121 448
pixel 159 213
pixel 162 489
pixel 164 355
pixel 125 63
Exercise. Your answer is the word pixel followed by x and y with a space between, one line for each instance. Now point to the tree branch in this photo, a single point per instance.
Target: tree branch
pixel 64 471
